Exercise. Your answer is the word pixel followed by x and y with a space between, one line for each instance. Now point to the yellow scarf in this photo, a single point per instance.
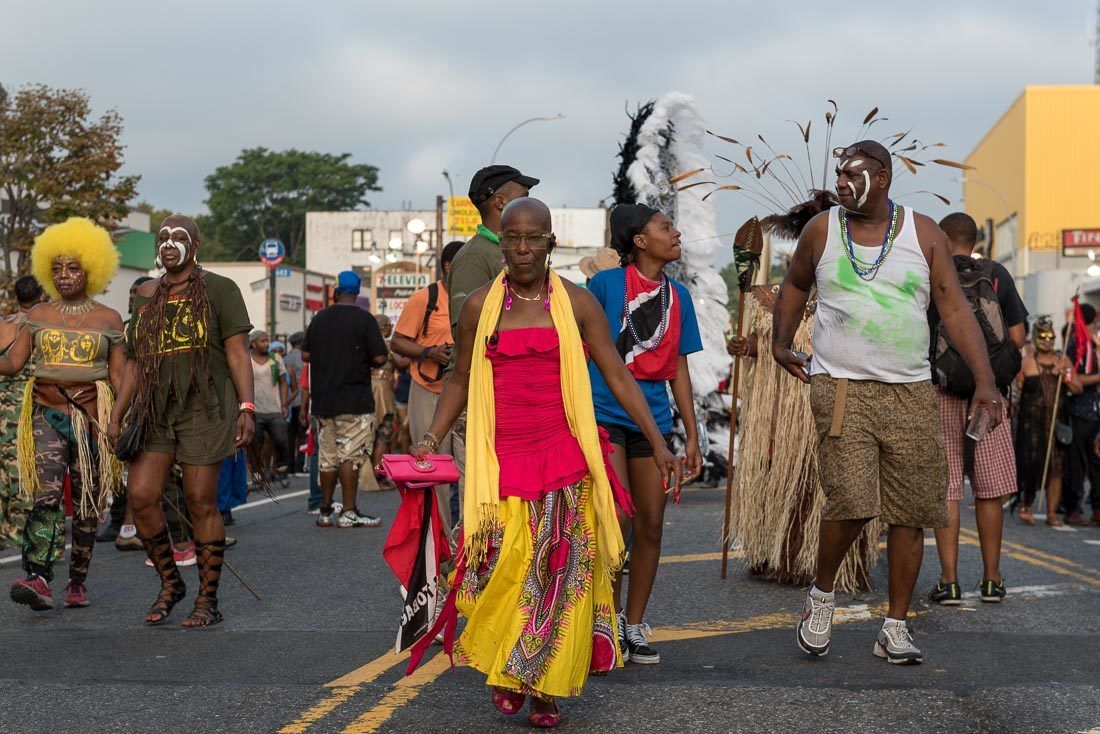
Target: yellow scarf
pixel 482 502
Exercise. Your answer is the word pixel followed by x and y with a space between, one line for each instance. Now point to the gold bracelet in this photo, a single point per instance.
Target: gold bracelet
pixel 430 440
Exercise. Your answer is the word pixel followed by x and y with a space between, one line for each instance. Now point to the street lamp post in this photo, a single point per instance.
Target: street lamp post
pixel 517 127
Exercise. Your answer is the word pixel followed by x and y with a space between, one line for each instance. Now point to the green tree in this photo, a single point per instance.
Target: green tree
pixel 266 193
pixel 56 161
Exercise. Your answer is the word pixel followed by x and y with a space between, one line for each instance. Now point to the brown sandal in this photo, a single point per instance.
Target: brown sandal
pixel 172 588
pixel 209 560
pixel 1026 517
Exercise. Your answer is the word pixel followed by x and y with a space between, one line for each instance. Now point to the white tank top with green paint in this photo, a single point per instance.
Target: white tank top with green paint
pixel 877 329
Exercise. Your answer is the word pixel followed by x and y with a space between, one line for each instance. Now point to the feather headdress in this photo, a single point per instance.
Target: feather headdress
pixel 794 194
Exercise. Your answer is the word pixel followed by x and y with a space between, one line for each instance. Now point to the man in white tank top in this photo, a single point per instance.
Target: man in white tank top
pixel 877 266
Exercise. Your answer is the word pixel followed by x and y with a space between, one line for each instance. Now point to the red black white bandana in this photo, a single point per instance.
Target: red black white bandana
pixel 650 338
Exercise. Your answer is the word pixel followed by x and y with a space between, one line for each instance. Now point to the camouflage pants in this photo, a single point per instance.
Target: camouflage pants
pixel 44 534
pixel 13 508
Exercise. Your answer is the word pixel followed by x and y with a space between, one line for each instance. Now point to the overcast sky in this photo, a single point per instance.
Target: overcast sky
pixel 416 87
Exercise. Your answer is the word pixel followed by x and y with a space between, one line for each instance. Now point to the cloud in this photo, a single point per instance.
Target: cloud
pixel 415 87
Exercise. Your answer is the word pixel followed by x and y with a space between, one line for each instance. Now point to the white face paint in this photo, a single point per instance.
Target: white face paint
pixel 866 189
pixel 860 199
pixel 183 249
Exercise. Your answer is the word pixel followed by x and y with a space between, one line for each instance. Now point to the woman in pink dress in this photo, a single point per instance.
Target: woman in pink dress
pixel 541 537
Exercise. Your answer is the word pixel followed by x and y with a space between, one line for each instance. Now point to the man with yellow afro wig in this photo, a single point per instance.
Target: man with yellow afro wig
pixel 82 240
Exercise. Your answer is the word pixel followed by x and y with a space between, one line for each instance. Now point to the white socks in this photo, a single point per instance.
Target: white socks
pixel 893 622
pixel 822 595
pixel 127 531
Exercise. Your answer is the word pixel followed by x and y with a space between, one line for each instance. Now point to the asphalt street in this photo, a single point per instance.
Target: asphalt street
pixel 314 655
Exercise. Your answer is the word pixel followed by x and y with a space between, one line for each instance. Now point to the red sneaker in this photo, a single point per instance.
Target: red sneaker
pixel 32 591
pixel 76 594
pixel 184 553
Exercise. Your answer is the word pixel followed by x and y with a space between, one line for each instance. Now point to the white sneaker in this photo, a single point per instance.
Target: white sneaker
pixel 354 519
pixel 337 508
pixel 895 644
pixel 816 628
pixel 638 646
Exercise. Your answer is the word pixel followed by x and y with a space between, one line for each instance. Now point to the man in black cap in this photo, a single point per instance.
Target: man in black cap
pixel 479 260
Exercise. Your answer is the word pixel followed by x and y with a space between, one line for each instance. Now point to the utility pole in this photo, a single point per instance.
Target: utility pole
pixel 439 236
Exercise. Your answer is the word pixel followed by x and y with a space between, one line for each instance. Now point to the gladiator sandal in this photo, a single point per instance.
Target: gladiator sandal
pixel 209 557
pixel 172 588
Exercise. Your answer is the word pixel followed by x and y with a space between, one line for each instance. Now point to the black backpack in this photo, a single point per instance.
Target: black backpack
pixel 980 289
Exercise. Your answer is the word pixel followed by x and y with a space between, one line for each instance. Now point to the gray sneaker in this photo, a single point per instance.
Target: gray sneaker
pixel 816 628
pixel 895 644
pixel 353 519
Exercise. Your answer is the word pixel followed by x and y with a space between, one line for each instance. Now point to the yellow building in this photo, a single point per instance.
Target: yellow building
pixel 1036 180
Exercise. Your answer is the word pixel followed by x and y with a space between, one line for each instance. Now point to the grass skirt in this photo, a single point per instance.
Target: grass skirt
pixel 539 607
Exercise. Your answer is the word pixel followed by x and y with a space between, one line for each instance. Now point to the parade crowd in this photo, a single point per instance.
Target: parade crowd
pixel 557 403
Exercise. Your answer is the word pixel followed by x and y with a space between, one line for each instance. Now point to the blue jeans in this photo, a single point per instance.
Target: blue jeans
pixel 314 479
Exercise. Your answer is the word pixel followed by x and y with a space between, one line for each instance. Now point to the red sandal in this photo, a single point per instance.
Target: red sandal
pixel 507 702
pixel 544 719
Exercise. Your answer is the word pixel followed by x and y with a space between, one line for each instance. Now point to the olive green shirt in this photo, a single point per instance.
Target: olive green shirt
pixel 187 340
pixel 478 262
pixel 71 355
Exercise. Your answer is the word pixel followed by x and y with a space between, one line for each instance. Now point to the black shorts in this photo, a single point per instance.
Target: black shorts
pixel 634 442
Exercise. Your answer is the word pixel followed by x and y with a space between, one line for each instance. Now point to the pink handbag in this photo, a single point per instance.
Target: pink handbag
pixel 406 470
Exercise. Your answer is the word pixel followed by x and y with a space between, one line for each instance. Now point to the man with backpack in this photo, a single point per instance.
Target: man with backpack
pixel 990 461
pixel 423 334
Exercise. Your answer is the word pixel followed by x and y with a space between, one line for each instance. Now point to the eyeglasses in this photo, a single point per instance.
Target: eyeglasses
pixel 854 150
pixel 535 240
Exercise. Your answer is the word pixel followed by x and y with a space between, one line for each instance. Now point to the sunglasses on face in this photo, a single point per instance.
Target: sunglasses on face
pixel 534 240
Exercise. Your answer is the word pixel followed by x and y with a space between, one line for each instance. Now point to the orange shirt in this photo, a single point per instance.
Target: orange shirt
pixel 411 324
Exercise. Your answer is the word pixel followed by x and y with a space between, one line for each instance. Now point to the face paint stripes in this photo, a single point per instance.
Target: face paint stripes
pixel 172 230
pixel 866 189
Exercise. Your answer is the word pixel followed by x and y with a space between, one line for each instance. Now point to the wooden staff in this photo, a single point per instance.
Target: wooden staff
pixel 1050 438
pixel 733 433
pixel 747 244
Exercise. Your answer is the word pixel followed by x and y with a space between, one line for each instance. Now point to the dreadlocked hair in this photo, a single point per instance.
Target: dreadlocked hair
pixel 150 330
pixel 789 225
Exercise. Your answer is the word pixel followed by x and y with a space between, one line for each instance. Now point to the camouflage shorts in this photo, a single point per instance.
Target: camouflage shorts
pixel 880 451
pixel 344 438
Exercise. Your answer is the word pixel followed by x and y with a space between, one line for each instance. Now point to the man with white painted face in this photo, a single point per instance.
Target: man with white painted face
pixel 190 387
pixel 877 266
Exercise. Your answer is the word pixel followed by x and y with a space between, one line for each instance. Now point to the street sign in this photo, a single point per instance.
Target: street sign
pixel 1077 242
pixel 272 252
pixel 462 217
pixel 282 272
pixel 259 285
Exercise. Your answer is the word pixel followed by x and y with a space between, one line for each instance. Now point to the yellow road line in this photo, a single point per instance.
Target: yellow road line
pixel 693 557
pixel 405 690
pixel 1040 554
pixel 319 710
pixel 697 630
pixel 370 671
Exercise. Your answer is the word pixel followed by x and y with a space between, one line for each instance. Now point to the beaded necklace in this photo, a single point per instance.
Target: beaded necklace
pixel 867 271
pixel 655 342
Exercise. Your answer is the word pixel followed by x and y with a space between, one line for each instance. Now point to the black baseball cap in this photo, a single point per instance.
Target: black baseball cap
pixel 488 180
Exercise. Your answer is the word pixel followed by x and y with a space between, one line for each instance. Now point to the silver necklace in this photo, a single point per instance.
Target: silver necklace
pixel 74 309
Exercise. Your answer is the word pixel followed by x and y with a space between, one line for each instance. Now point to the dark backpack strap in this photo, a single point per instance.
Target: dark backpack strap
pixel 433 300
